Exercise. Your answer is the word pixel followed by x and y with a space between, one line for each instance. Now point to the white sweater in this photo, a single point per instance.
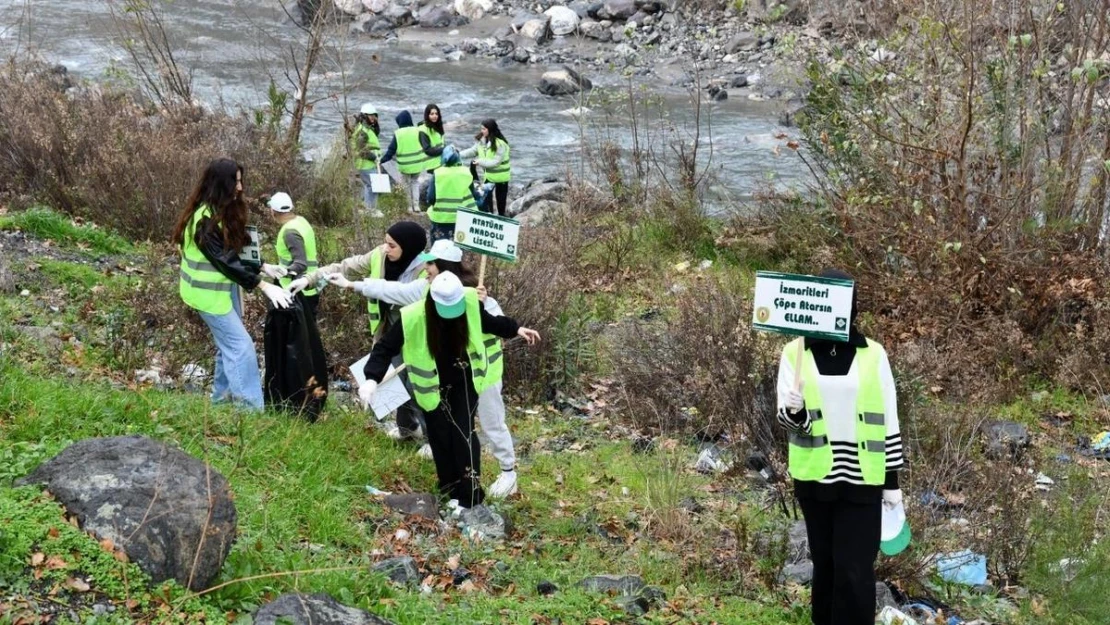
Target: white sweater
pixel 838 407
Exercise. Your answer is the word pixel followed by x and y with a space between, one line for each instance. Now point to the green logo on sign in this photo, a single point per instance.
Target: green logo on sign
pixel 841 323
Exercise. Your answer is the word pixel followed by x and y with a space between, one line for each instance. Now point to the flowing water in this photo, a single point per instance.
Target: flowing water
pixel 233 47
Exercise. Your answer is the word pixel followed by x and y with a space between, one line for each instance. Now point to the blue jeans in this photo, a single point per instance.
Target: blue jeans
pixel 442 231
pixel 237 378
pixel 369 198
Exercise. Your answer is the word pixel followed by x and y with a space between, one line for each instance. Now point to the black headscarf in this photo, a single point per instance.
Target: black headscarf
pixel 412 239
pixel 835 357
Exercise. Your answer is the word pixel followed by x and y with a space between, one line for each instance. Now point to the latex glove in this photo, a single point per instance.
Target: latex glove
pixel 795 402
pixel 338 280
pixel 278 297
pixel 529 335
pixel 892 498
pixel 366 392
pixel 297 285
pixel 274 271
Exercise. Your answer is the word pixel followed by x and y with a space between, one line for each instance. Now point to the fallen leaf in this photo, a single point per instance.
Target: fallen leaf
pixel 54 563
pixel 77 584
pixel 597 621
pixel 53 532
pixel 453 562
pixel 107 545
pixel 38 558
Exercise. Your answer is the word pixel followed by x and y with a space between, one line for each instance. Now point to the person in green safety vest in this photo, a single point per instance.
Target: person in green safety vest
pixel 412 148
pixel 450 189
pixel 432 133
pixel 365 148
pixel 443 256
pixel 845 451
pixel 440 338
pixel 395 261
pixel 210 233
pixel 491 153
pixel 296 253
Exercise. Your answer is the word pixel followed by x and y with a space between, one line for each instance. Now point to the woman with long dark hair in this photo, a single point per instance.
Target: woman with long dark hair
pixel 431 136
pixel 492 152
pixel 441 338
pixel 210 232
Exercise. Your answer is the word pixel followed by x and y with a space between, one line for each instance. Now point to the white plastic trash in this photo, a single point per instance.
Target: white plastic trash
pixel 894 616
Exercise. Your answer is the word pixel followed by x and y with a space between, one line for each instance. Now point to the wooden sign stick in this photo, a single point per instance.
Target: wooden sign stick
pixel 392 374
pixel 798 364
pixel 482 271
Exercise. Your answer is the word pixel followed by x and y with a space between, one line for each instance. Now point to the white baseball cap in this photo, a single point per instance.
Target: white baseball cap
pixel 448 294
pixel 442 249
pixel 280 202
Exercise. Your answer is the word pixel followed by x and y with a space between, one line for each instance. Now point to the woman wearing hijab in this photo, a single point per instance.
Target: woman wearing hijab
pixel 845 453
pixel 396 260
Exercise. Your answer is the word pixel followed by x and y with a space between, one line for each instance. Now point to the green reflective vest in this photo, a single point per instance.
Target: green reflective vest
pixel 301 226
pixel 377 266
pixel 452 193
pixel 499 173
pixel 434 139
pixel 410 156
pixel 810 455
pixel 200 284
pixel 421 364
pixel 371 142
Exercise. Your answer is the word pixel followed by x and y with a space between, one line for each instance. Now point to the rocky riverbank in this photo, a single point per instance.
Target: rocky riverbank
pixel 755 53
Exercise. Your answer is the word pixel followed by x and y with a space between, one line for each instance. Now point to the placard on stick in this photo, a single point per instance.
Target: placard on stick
pixel 486 234
pixel 802 305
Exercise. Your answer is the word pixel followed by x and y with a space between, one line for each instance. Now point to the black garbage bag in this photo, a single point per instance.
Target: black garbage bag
pixel 296 371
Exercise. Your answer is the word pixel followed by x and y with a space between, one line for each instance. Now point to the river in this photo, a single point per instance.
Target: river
pixel 233 47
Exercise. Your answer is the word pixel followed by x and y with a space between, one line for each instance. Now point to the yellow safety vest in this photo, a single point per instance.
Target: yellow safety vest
pixel 301 226
pixel 371 142
pixel 434 139
pixel 498 173
pixel 452 193
pixel 377 266
pixel 410 156
pixel 810 456
pixel 200 284
pixel 421 364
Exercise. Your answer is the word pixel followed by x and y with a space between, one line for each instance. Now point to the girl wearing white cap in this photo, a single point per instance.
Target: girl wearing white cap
pixel 446 256
pixel 441 341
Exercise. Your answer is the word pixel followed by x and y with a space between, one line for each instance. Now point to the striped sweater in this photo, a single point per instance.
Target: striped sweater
pixel 838 398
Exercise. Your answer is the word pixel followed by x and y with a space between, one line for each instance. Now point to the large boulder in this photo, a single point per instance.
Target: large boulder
pixel 563 81
pixel 742 42
pixel 564 20
pixel 542 211
pixel 539 190
pixel 473 9
pixel 319 609
pixel 537 29
pixel 400 16
pixel 172 514
pixel 350 7
pixel 437 17
pixel 620 9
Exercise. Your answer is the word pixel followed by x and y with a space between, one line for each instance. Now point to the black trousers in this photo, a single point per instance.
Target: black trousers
pixel 501 196
pixel 455 446
pixel 843 542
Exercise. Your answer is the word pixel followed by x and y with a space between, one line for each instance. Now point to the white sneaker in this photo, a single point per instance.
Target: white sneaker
pixel 453 509
pixel 425 451
pixel 504 486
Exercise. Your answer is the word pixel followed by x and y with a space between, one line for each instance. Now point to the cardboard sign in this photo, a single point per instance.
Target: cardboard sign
pixel 491 235
pixel 390 395
pixel 802 305
pixel 251 253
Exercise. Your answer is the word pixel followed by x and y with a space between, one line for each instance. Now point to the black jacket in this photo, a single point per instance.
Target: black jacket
pixel 227 262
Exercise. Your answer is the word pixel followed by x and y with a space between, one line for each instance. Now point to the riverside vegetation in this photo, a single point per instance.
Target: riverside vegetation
pixel 959 174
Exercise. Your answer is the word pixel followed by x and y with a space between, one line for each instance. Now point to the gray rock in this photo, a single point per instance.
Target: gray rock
pixel 376 6
pixel 799 573
pixel 402 570
pixel 616 34
pixel 742 42
pixel 564 81
pixel 381 28
pixel 717 94
pixel 521 55
pixel 455 56
pixel 1006 438
pixel 738 81
pixel 592 29
pixel 620 9
pixel 651 7
pixel 437 17
pixel 536 192
pixel 546 588
pixel 634 605
pixel 791 113
pixel 620 584
pixel 595 9
pixel 419 504
pixel 317 609
pixel 581 8
pixel 537 29
pixel 653 39
pixel 790 11
pixel 482 523
pixel 400 16
pixel 151 500
pixel 639 17
pixel 563 20
pixel 473 9
pixel 798 541
pixel 542 211
pixel 883 597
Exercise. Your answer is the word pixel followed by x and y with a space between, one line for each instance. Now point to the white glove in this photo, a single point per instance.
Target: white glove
pixel 366 392
pixel 892 498
pixel 278 297
pixel 794 399
pixel 297 285
pixel 339 280
pixel 274 271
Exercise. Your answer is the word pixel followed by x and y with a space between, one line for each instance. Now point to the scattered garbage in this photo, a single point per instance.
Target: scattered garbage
pixel 376 492
pixel 1044 482
pixel 1097 446
pixel 963 567
pixel 711 460
pixel 193 372
pixel 926 611
pixel 894 616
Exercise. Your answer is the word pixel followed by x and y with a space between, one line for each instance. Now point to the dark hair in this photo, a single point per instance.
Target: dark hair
pixel 216 189
pixel 438 124
pixel 371 121
pixel 447 337
pixel 466 276
pixel 494 133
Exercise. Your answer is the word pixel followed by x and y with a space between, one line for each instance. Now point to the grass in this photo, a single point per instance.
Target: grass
pixel 52 226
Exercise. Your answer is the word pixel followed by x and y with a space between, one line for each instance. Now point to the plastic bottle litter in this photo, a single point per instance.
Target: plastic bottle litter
pixel 963 567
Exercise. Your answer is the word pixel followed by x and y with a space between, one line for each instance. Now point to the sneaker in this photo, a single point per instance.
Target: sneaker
pixel 453 510
pixel 504 486
pixel 425 451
